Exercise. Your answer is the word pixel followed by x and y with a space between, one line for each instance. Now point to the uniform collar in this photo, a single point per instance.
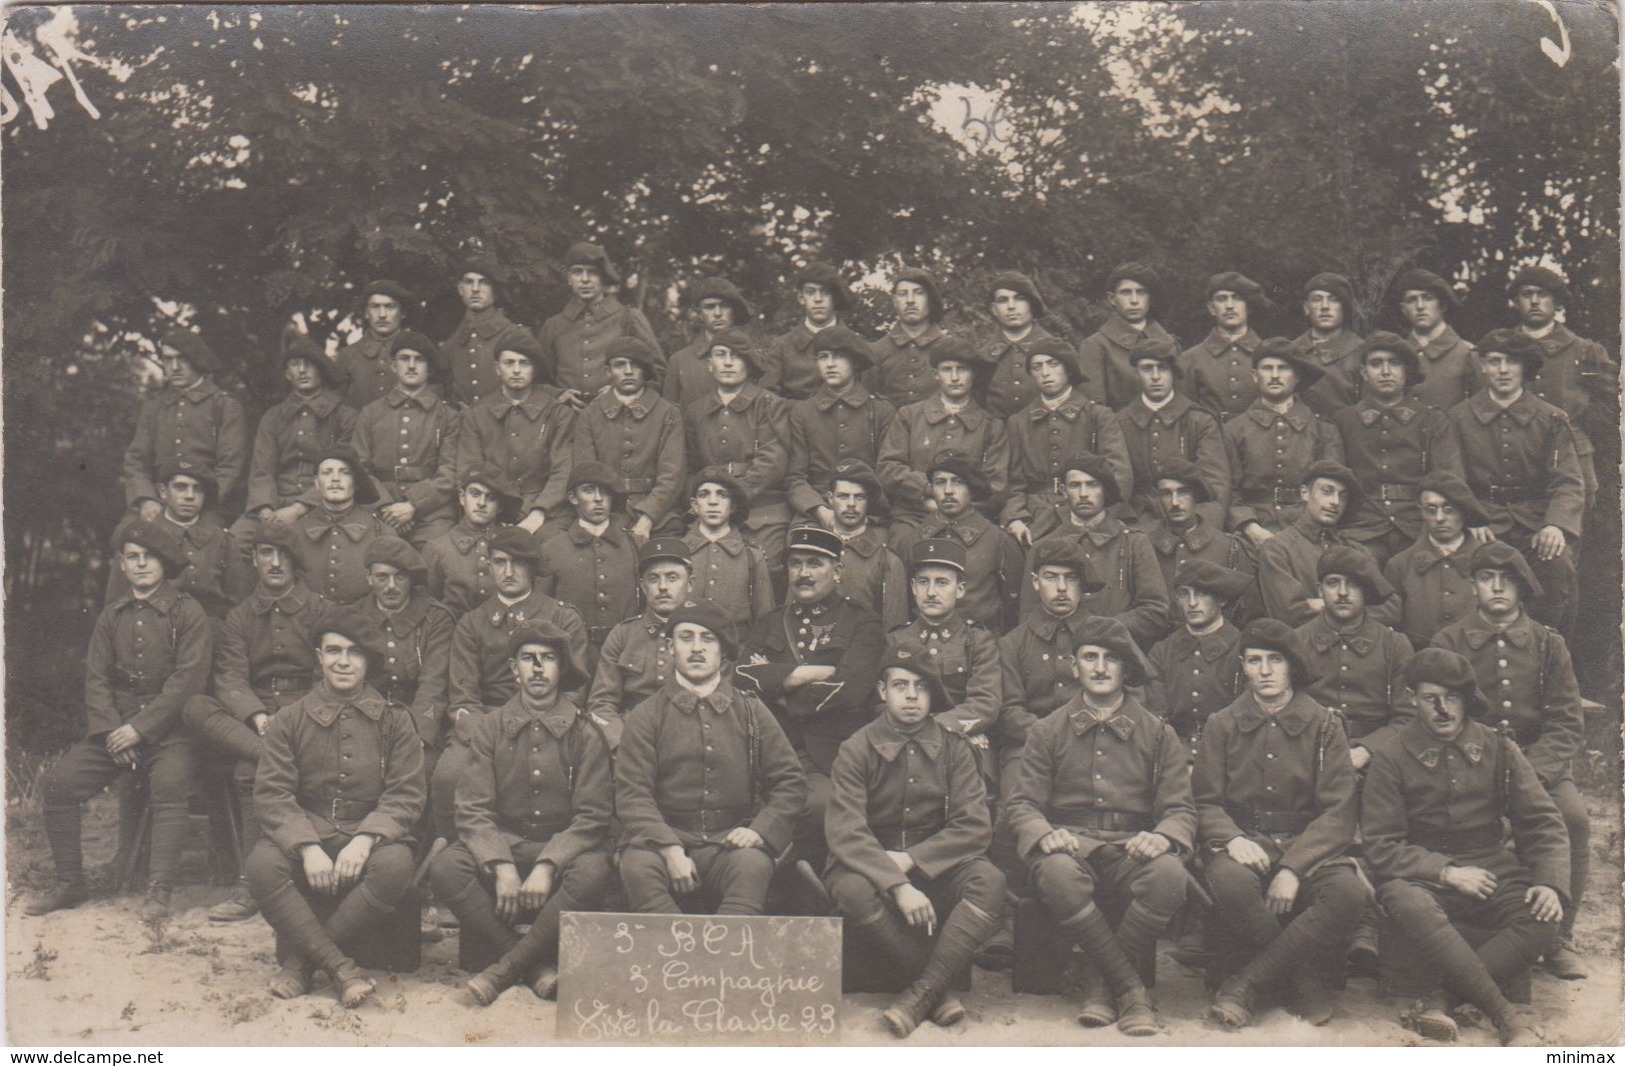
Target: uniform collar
pixel 1044 625
pixel 323 707
pixel 1214 644
pixel 1428 555
pixel 854 397
pixel 1327 350
pixel 1474 742
pixel 611 406
pixel 1315 534
pixel 321 405
pixel 1323 636
pixel 795 608
pixel 404 620
pixel 1169 413
pixel 1035 334
pixel 355 523
pixel 1216 343
pixel 1403 412
pixel 721 699
pixel 424 400
pixel 1557 339
pixel 1439 346
pixel 1297 416
pixel 1166 539
pixel 947 631
pixel 533 606
pixel 1070 410
pixel 866 543
pixel 929 336
pixel 580 537
pixel 1121 332
pixel 888 741
pixel 733 543
pixel 1084 719
pixel 487 323
pixel 464 536
pixel 1479 632
pixel 162 599
pixel 531 406
pixel 1294 717
pixel 936 412
pixel 1486 410
pixel 513 718
pixel 602 308
pixel 968 529
pixel 203 390
pixel 801 338
pixel 738 405
pixel 295 600
pixel 1099 534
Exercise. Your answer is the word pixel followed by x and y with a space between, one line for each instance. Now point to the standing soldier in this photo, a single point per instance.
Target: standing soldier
pixel 1392 442
pixel 594 565
pixel 365 362
pixel 994 567
pixel 1016 306
pixel 149 653
pixel 1286 563
pixel 1358 661
pixel 264 660
pixel 1160 427
pixel 1434 576
pixel 1181 533
pixel 636 658
pixel 949 420
pixel 738 427
pixel 1122 555
pixel 1218 373
pixel 525 432
pixel 484 331
pixel 332 538
pixel 720 308
pixel 638 434
pixel 533 814
pixel 578 341
pixel 1330 343
pixel 312 417
pixel 215 575
pixel 1526 669
pixel 872 575
pixel 902 372
pixel 1058 424
pixel 1110 355
pixel 1102 809
pixel 1437 798
pixel 190 421
pixel 790 360
pixel 1520 460
pixel 340 787
pixel 407 440
pixel 1276 809
pixel 964 655
pixel 908 837
pixel 1196 669
pixel 728 570
pixel 460 561
pixel 1273 442
pixel 707 787
pixel 841 420
pixel 1448 364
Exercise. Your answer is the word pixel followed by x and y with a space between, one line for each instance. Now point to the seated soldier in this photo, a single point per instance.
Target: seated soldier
pixel 1102 807
pixel 902 370
pixel 340 786
pixel 908 835
pixel 407 440
pixel 332 538
pixel 459 563
pixel 533 812
pixel 1439 794
pixel 215 575
pixel 1433 577
pixel 638 434
pixel 264 660
pixel 1016 305
pixel 707 787
pixel 1196 669
pixel 872 574
pixel 1527 669
pixel 964 655
pixel 365 362
pixel 727 569
pixel 841 420
pixel 1215 372
pixel 310 418
pixel 1358 660
pixel 1276 808
pixel 593 565
pixel 720 308
pixel 993 563
pixel 789 361
pixel 575 341
pixel 191 422
pixel 1181 533
pixel 636 658
pixel 1161 426
pixel 149 653
pixel 1286 563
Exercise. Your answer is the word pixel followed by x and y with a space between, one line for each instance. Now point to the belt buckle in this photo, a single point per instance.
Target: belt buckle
pixel 333 810
pixel 705 821
pixel 399 476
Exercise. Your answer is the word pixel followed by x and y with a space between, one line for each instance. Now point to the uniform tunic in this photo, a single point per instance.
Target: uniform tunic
pixel 790 364
pixel 479 672
pixel 1123 557
pixel 146 659
pixel 409 446
pixel 1340 387
pixel 923 429
pixel 968 663
pixel 903 373
pixel 872 576
pixel 333 547
pixel 688 373
pixel 529 441
pixel 635 660
pixel 472 349
pixel 1361 672
pixel 749 437
pixel 1178 430
pixel 265 655
pixel 1435 590
pixel 460 567
pixel 576 339
pixel 1391 449
pixel 1528 676
pixel 1521 464
pixel 1038 657
pixel 417 660
pixel 642 442
pixel 1108 354
pixel 1218 373
pixel 731 573
pixel 692 769
pixel 825 429
pixel 1195 677
pixel 1269 453
pixel 1575 369
pixel 200 426
pixel 1451 366
pixel 216 574
pixel 596 574
pixel 542 778
pixel 1043 441
pixel 1202 540
pixel 1010 387
pixel 291 439
pixel 336 766
pixel 1286 570
pixel 995 571
pixel 369 369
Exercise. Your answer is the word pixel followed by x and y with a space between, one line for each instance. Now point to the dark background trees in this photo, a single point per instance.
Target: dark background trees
pixel 251 167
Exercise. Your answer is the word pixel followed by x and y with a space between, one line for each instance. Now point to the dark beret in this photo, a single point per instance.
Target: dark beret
pixel 1541 278
pixel 1272 634
pixel 634 349
pixel 1457 492
pixel 351 622
pixel 1109 633
pixel 1383 341
pixel 716 475
pixel 965 469
pixel 1098 468
pixel 393 551
pixel 593 472
pixel 1336 284
pixel 1440 666
pixel 306 349
pixel 517 544
pixel 153 537
pixel 193 469
pixel 838 338
pixel 572 672
pixel 1186 473
pixel 193 349
pixel 585 253
pixel 1140 272
pixel 1330 468
pixel 497 483
pixel 738 341
pixel 900 658
pixel 861 473
pixel 1018 282
pixel 820 273
pixel 703 612
pixel 927 281
pixel 1207 576
pixel 727 291
pixel 1359 565
pixel 412 340
pixel 279 535
pixel 1499 555
pixel 1243 286
pixel 1067 552
pixel 1060 351
pixel 365 490
pixel 1308 370
pixel 483 265
pixel 949 348
pixel 1425 281
pixel 1514 344
pixel 392 289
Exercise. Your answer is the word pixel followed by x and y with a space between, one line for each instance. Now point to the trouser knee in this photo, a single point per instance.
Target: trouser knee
pixel 388 873
pixel 983 886
pixel 452 871
pixel 1160 884
pixel 643 875
pixel 1341 897
pixel 169 777
pixel 585 882
pixel 267 869
pixel 741 876
pixel 1065 883
pixel 855 896
pixel 1417 910
pixel 1233 885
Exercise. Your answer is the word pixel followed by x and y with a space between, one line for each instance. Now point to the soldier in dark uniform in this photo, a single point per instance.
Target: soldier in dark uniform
pixel 841 420
pixel 872 575
pixel 189 421
pixel 1110 355
pixel 576 342
pixel 636 658
pixel 1161 427
pixel 908 836
pixel 1452 373
pixel 460 562
pixel 1520 460
pixel 533 814
pixel 789 361
pixel 1526 670
pixel 638 434
pixel 1016 306
pixel 593 566
pixel 149 653
pixel 339 788
pixel 1102 807
pixel 215 573
pixel 484 331
pixel 1180 532
pixel 1392 442
pixel 331 539
pixel 291 434
pixel 365 362
pixel 721 308
pixel 1434 576
pixel 707 786
pixel 407 440
pixel 1331 343
pixel 1196 669
pixel 994 568
pixel 903 368
pixel 728 570
pixel 1356 659
pixel 964 654
pixel 1218 373
pixel 264 660
pixel 1286 563
pixel 1439 794
pixel 1276 809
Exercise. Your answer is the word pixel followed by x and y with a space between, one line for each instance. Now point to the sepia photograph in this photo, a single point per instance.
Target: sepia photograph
pixel 1088 524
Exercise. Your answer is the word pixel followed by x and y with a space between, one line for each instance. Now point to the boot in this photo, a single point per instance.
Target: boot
pixel 1138 933
pixel 524 960
pixel 1516 1027
pixel 1190 947
pixel 1429 1018
pixel 1363 961
pixel 66 895
pixel 1232 1005
pixel 967 927
pixel 1104 953
pixel 1233 1002
pixel 237 907
pixel 1309 999
pixel 908 953
pixel 289 914
pixel 476 911
pixel 1463 971
pixel 240 905
pixel 61 825
pixel 1098 1007
pixel 155 906
pixel 1563 962
pixel 544 981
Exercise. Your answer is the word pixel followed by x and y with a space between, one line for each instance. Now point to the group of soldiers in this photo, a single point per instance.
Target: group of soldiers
pixel 1251 643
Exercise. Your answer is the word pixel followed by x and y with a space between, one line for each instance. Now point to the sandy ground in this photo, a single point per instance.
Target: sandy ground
pixel 97 976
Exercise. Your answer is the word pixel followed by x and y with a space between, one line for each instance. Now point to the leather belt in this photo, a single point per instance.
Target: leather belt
pixel 282 685
pixel 1502 495
pixel 403 473
pixel 1459 841
pixel 1279 496
pixel 1269 822
pixel 902 837
pixel 538 829
pixel 337 808
pixel 133 685
pixel 1112 821
pixel 709 820
pixel 635 484
pixel 1396 493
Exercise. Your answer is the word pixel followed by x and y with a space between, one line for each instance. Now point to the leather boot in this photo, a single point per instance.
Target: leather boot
pixel 1233 1002
pixel 1429 1018
pixel 1462 971
pixel 155 905
pixel 1308 998
pixel 240 905
pixel 1101 948
pixel 908 953
pixel 1517 1027
pixel 524 956
pixel 1097 1006
pixel 66 895
pixel 289 914
pixel 1563 962
pixel 62 825
pixel 1363 947
pixel 967 927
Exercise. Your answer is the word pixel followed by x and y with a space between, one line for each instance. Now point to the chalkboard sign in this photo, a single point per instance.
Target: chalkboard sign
pixel 655 978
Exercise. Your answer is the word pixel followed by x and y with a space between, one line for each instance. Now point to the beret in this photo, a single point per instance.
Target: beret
pixel 965 469
pixel 820 273
pixel 716 475
pixel 861 473
pixel 1307 369
pixel 517 544
pixel 1207 576
pixel 1499 555
pixel 1188 474
pixel 1272 634
pixel 1330 468
pixel 840 339
pixel 193 349
pixel 927 281
pixel 153 537
pixel 703 612
pixel 1140 272
pixel 393 551
pixel 572 673
pixel 392 289
pixel 1359 565
pixel 1109 633
pixel 1457 492
pixel 631 348
pixel 900 658
pixel 593 472
pixel 1441 666
pixel 1541 278
pixel 1018 282
pixel 278 535
pixel 1067 552
pixel 1426 281
pixel 365 490
pixel 1383 341
pixel 173 468
pixel 1096 467
pixel 351 622
pixel 585 253
pixel 1514 344
pixel 1336 284
pixel 725 290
